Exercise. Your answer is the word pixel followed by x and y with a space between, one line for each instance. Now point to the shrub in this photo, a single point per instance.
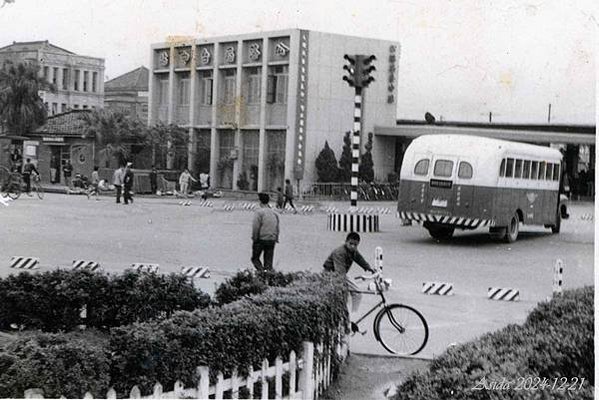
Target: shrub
pixel 555 341
pixel 241 333
pixel 61 365
pixel 52 301
pixel 248 282
pixel 326 164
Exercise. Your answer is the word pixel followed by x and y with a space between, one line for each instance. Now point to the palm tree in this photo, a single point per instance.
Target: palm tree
pixel 169 139
pixel 21 108
pixel 114 133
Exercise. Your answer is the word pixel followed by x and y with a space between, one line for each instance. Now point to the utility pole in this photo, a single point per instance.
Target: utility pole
pixel 549 114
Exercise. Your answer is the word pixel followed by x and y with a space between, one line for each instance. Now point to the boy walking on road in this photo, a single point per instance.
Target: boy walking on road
pixel 117 181
pixel 265 234
pixel 288 194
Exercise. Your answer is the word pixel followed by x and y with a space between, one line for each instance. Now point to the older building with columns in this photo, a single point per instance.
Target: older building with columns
pixel 260 106
pixel 79 80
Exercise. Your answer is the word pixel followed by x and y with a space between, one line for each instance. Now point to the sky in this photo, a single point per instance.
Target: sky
pixel 460 59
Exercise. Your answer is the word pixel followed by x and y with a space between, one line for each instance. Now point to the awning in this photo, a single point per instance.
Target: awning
pixel 409 131
pixel 14 137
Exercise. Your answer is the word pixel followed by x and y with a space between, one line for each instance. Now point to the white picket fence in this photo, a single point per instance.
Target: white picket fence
pixel 309 376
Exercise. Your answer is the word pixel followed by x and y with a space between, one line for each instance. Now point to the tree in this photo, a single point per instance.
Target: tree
pixel 168 139
pixel 21 108
pixel 326 164
pixel 114 133
pixel 366 170
pixel 345 161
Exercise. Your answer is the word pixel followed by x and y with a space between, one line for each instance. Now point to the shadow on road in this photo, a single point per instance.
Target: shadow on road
pixel 469 239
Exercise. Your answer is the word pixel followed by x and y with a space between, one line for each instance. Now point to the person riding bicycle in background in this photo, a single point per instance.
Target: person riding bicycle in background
pixel 28 168
pixel 341 259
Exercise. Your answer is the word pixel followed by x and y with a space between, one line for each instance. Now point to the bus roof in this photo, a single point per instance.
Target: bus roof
pixel 469 145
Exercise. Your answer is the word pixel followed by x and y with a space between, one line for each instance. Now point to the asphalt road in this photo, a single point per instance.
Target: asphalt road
pixel 62 228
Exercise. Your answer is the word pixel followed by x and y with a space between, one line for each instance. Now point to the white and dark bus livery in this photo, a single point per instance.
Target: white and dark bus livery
pixel 450 182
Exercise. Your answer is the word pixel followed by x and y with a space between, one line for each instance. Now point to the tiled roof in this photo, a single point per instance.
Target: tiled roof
pixel 65 124
pixel 136 80
pixel 37 45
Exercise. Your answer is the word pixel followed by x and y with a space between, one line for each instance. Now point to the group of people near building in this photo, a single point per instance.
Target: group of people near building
pixel 122 179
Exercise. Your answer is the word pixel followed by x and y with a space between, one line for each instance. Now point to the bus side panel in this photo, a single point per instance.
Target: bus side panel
pixel 483 203
pixel 409 196
pixel 551 197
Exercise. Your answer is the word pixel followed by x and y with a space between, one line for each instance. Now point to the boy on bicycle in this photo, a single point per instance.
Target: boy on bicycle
pixel 342 258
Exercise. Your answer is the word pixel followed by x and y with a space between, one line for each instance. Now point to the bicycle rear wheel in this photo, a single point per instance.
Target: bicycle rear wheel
pixel 401 329
pixel 14 186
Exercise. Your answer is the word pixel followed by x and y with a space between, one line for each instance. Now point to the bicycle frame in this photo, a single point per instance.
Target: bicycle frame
pixel 383 303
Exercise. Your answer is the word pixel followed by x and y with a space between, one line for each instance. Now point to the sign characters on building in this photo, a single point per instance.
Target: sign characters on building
pixel 391 77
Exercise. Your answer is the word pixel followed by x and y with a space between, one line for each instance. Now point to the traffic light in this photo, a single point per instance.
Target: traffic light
pixel 364 69
pixel 350 67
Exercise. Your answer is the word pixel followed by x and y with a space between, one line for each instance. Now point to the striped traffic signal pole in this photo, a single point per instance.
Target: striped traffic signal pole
pixel 355 166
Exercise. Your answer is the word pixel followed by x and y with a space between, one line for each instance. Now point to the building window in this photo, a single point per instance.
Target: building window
pixel 229 87
pixel 276 88
pixel 65 79
pixel 163 98
pixel 54 108
pixel 76 82
pixel 76 106
pixel 63 107
pixel 85 78
pixel 206 91
pixel 183 92
pixel 54 76
pixel 94 82
pixel 46 77
pixel 84 107
pixel 47 106
pixel 253 94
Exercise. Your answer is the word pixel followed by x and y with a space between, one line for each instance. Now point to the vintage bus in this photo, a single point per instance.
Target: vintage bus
pixel 450 182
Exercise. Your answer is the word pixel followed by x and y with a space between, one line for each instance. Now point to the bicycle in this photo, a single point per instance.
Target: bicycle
pixel 399 328
pixel 36 186
pixel 15 185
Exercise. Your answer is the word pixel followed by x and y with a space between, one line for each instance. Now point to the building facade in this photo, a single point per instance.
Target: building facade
pixel 128 93
pixel 259 107
pixel 79 80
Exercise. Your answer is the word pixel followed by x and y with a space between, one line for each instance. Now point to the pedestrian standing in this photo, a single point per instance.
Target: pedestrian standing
pixel 54 165
pixel 280 198
pixel 153 180
pixel 27 170
pixel 265 234
pixel 95 183
pixel 67 170
pixel 117 181
pixel 184 179
pixel 288 194
pixel 128 183
pixel 204 184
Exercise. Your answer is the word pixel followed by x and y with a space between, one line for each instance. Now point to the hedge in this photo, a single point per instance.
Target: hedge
pixel 52 301
pixel 555 341
pixel 241 334
pixel 248 282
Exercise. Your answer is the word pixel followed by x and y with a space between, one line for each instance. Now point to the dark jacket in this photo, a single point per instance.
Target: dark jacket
pixel 341 259
pixel 128 180
pixel 67 169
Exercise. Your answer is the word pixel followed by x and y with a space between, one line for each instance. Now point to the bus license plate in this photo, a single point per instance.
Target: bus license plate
pixel 439 203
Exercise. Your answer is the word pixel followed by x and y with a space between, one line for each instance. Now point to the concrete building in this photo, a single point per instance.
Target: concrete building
pixel 128 93
pixel 79 80
pixel 263 104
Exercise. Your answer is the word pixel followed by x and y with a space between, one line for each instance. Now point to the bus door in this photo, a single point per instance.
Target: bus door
pixel 464 189
pixel 442 192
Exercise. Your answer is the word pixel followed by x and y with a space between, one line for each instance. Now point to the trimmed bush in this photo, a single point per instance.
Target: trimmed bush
pixel 241 333
pixel 52 301
pixel 248 282
pixel 555 341
pixel 61 365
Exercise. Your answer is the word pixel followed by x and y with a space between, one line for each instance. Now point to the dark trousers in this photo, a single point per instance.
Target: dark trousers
pixel 268 248
pixel 288 200
pixel 127 194
pixel 27 180
pixel 118 193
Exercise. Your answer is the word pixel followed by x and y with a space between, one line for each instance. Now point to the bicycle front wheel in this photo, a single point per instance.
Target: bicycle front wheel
pixel 401 329
pixel 39 190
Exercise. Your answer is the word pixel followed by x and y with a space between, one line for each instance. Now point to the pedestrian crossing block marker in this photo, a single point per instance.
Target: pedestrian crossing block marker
pixel 503 294
pixel 185 203
pixel 196 272
pixel 438 288
pixel 89 265
pixel 19 262
pixel 142 267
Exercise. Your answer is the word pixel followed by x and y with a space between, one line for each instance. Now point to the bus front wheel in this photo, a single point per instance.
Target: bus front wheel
pixel 513 229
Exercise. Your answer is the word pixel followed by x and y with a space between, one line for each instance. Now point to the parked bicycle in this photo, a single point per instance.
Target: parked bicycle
pixel 399 328
pixel 12 184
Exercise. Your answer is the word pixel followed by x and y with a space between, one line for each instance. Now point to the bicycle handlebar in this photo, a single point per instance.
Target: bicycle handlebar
pixel 368 277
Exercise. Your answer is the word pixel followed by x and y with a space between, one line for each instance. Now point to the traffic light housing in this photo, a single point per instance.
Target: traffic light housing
pixel 359 69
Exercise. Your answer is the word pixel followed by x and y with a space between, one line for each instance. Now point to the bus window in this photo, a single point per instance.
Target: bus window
pixel 556 172
pixel 502 168
pixel 509 168
pixel 443 168
pixel 526 169
pixel 534 170
pixel 542 166
pixel 549 171
pixel 421 167
pixel 465 170
pixel 518 171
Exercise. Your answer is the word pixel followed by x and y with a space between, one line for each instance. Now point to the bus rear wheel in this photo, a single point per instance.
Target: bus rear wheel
pixel 440 232
pixel 513 229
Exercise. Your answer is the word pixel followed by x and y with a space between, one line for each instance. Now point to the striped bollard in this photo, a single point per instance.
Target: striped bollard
pixel 378 258
pixel 89 265
pixel 19 262
pixel 196 272
pixel 143 267
pixel 353 222
pixel 503 294
pixel 558 270
pixel 438 288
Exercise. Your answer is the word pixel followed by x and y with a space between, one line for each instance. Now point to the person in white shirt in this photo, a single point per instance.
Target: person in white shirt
pixel 184 179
